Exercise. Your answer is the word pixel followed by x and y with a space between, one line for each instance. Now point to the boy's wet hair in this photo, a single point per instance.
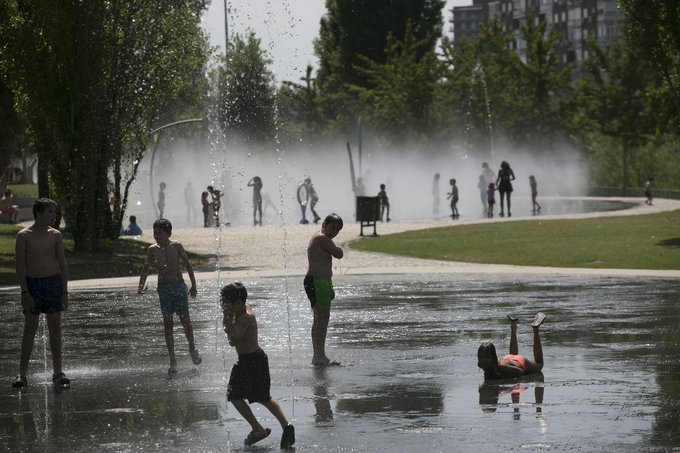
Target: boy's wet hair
pixel 133 219
pixel 382 186
pixel 334 219
pixel 487 349
pixel 163 225
pixel 41 204
pixel 492 185
pixel 452 181
pixel 233 292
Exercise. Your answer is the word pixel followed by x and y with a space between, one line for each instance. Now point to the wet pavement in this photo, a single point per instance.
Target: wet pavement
pixel 409 381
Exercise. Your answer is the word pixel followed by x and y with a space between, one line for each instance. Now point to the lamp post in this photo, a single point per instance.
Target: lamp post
pixel 156 139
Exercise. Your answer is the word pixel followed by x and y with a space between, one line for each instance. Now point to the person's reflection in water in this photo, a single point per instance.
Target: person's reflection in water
pixel 490 393
pixel 324 413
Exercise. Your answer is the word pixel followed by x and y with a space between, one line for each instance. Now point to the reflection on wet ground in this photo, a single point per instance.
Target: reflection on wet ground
pixel 409 380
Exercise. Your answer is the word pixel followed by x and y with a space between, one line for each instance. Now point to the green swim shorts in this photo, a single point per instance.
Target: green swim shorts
pixel 319 291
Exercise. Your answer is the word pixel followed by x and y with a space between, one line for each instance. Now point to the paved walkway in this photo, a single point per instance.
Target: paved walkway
pixel 271 251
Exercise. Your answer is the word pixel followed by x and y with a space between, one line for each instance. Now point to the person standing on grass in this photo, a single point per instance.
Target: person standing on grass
pixel 43 276
pixel 172 291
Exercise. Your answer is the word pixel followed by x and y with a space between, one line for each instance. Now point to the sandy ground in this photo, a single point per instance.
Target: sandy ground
pixel 275 251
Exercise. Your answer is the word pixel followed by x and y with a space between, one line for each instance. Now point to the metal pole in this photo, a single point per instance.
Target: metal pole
pixel 153 154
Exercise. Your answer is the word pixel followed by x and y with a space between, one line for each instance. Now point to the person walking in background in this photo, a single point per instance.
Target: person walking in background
pixel 504 184
pixel 435 193
pixel 161 200
pixel 453 195
pixel 482 186
pixel 318 285
pixel 256 184
pixel 190 201
pixel 649 186
pixel 132 229
pixel 205 203
pixel 43 277
pixel 490 199
pixel 384 203
pixel 249 378
pixel 172 291
pixel 488 174
pixel 216 204
pixel 534 194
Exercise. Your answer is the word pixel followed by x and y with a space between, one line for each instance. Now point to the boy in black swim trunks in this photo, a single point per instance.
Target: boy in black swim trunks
pixel 43 277
pixel 249 379
pixel 318 284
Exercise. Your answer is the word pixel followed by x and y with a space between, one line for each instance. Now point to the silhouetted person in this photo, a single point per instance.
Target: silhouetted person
pixel 453 195
pixel 649 186
pixel 534 193
pixel 435 194
pixel 132 229
pixel 384 203
pixel 161 200
pixel 256 184
pixel 505 176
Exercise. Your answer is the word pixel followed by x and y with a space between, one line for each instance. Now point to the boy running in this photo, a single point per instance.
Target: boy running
pixel 172 291
pixel 249 378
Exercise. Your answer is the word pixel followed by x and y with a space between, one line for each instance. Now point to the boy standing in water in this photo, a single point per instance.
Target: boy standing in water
pixel 318 284
pixel 172 291
pixel 249 378
pixel 43 276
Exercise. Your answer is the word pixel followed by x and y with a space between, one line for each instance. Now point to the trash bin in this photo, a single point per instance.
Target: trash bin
pixel 368 212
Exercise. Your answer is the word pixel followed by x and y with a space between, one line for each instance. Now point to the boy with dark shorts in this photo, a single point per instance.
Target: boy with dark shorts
pixel 172 291
pixel 249 378
pixel 318 284
pixel 43 277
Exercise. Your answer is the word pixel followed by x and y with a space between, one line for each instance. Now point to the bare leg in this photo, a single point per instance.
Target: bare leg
pixel 319 331
pixel 275 409
pixel 27 340
pixel 54 326
pixel 188 329
pixel 508 194
pixel 169 339
pixel 514 349
pixel 243 409
pixel 538 349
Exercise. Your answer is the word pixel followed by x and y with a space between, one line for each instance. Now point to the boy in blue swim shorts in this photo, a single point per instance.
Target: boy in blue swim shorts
pixel 172 291
pixel 43 276
pixel 318 285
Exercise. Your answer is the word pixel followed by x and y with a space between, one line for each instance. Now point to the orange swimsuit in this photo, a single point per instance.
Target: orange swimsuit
pixel 517 359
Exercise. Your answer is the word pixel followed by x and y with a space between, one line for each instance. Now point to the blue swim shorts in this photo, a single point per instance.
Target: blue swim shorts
pixel 46 294
pixel 174 298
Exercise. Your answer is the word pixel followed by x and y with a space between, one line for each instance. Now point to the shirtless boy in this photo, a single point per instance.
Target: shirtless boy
pixel 172 291
pixel 318 284
pixel 43 277
pixel 249 378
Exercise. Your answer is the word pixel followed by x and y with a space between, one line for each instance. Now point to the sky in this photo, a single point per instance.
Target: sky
pixel 286 28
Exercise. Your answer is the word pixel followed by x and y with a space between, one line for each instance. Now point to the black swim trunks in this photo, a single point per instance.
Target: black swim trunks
pixel 250 378
pixel 46 294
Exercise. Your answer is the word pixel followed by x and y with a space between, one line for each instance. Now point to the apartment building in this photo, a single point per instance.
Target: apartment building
pixel 573 20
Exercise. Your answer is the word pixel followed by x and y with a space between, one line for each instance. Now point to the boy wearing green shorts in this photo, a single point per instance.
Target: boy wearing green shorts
pixel 318 284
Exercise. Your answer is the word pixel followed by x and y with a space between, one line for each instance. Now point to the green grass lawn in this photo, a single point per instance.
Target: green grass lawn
pixel 119 258
pixel 632 242
pixel 24 190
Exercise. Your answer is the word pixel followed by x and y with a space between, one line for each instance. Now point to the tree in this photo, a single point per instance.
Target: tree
pixel 90 79
pixel 653 28
pixel 613 99
pixel 246 93
pixel 351 29
pixel 399 102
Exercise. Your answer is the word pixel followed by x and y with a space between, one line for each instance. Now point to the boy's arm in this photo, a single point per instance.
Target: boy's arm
pixel 190 270
pixel 63 270
pixel 145 270
pixel 329 246
pixel 228 323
